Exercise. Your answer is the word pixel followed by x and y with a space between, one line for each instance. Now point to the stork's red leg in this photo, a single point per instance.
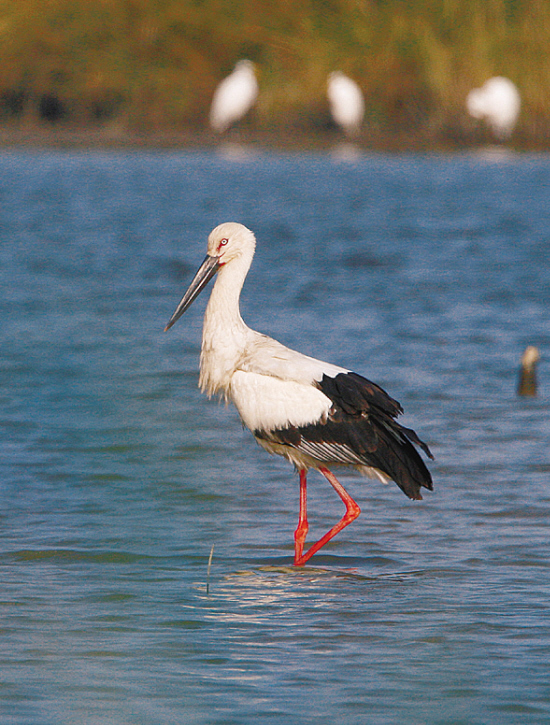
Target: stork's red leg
pixel 352 512
pixel 301 532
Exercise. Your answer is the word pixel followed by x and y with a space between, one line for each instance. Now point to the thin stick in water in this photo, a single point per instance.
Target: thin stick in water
pixel 208 569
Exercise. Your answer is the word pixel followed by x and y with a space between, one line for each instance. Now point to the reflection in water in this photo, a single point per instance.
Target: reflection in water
pixel 235 151
pixel 346 151
pixel 495 152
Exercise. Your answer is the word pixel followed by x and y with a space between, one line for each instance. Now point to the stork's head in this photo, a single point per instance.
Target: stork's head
pixel 228 244
pixel 476 103
pixel 231 241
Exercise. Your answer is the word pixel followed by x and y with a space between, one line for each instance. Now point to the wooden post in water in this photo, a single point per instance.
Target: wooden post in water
pixel 527 383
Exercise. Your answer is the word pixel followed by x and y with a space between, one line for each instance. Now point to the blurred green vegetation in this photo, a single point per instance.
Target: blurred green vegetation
pixel 154 64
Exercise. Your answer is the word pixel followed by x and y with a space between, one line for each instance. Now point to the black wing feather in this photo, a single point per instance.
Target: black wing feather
pixel 355 394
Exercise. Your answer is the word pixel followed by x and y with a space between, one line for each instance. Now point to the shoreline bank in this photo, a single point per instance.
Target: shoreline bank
pixel 63 137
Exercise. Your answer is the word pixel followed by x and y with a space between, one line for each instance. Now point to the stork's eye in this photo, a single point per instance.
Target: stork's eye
pixel 224 242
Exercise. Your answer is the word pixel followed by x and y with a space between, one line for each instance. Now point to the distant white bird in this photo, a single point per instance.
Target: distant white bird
pixel 527 383
pixel 498 103
pixel 346 102
pixel 313 413
pixel 234 96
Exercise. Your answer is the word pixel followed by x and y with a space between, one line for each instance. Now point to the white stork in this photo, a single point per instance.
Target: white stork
pixel 346 102
pixel 311 412
pixel 498 103
pixel 234 96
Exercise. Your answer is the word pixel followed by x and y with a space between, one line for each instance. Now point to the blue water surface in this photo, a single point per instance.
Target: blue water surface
pixel 427 274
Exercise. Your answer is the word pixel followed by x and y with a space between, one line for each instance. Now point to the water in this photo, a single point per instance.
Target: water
pixel 427 274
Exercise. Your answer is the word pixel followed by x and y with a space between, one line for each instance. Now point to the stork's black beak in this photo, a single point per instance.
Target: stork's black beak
pixel 205 273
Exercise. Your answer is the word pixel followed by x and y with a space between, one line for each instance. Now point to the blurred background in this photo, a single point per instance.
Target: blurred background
pixel 121 67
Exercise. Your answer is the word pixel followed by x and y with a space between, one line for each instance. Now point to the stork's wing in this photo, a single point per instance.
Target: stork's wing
pixel 361 430
pixel 357 396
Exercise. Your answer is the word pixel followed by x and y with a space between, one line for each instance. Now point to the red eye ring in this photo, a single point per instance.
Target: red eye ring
pixel 223 242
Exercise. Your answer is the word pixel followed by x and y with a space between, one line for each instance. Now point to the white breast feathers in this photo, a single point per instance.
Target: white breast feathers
pixel 268 403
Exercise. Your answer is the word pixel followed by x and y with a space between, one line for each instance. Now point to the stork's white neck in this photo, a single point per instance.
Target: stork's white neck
pixel 224 332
